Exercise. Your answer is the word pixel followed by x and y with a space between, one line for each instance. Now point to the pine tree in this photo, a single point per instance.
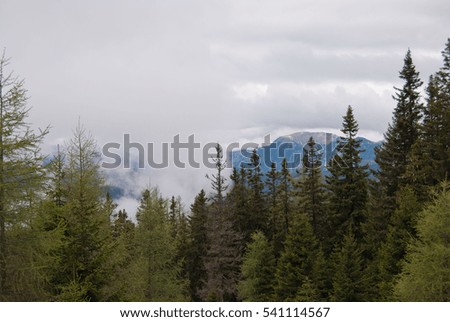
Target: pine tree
pixel 426 275
pixel 258 270
pixel 393 156
pixel 21 169
pixel 347 184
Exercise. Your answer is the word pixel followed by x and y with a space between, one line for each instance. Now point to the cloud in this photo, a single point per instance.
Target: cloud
pixel 250 92
pixel 222 70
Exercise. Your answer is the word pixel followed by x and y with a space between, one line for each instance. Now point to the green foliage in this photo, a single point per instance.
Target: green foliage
pixel 400 231
pixel 297 261
pixel 256 208
pixel 155 263
pixel 402 133
pixel 21 179
pixel 266 238
pixel 279 196
pixel 426 273
pixel 198 243
pixel 349 282
pixel 430 156
pixel 223 256
pixel 86 247
pixel 311 190
pixel 258 270
pixel 347 184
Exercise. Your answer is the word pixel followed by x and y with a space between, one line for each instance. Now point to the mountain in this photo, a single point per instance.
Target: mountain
pixel 291 148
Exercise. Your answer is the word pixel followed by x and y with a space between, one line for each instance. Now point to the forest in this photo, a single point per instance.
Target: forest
pixel 351 235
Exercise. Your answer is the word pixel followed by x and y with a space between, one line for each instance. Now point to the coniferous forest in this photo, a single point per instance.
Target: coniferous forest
pixel 353 234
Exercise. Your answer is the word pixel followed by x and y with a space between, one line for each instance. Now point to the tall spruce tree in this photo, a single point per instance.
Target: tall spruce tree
pixel 237 201
pixel 256 212
pixel 393 156
pixel 311 191
pixel 430 159
pixel 285 191
pixel 349 281
pixel 198 245
pixel 272 183
pixel 223 257
pixel 393 249
pixel 347 184
pixel 297 261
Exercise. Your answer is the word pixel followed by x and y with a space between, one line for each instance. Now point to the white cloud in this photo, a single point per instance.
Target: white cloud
pixel 222 70
pixel 250 92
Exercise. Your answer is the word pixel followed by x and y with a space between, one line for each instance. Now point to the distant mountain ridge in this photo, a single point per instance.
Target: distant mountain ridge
pixel 291 147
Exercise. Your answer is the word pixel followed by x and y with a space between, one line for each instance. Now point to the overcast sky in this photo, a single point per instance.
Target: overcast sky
pixel 222 70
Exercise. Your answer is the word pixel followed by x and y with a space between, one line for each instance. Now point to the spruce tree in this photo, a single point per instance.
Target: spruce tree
pixel 347 184
pixel 393 156
pixel 198 245
pixel 275 223
pixel 430 159
pixel 311 191
pixel 349 284
pixel 285 195
pixel 393 249
pixel 237 200
pixel 256 212
pixel 297 261
pixel 223 257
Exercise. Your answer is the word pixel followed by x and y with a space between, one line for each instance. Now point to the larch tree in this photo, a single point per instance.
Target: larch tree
pixel 258 270
pixel 157 274
pixel 21 172
pixel 83 270
pixel 425 273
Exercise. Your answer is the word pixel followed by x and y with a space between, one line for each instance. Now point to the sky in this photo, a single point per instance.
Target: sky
pixel 225 71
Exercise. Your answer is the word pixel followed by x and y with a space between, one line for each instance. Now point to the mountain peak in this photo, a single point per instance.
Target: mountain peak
pixel 302 137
